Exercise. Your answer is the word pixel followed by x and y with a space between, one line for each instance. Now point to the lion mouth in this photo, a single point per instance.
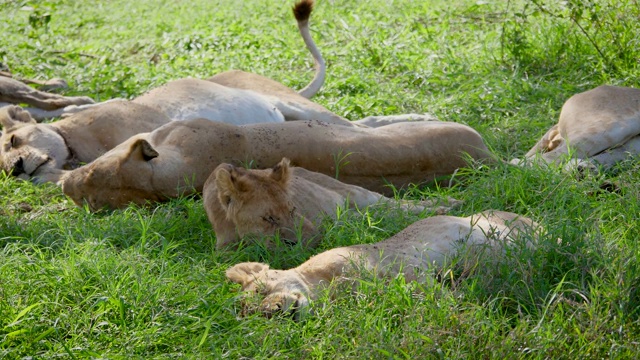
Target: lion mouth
pixel 19 169
pixel 35 171
pixel 16 169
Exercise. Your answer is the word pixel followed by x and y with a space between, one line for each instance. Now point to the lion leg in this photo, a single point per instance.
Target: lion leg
pixel 547 143
pixel 379 121
pixel 15 92
pixel 46 85
pixel 38 114
pixel 608 158
pixel 550 147
pixel 74 109
pixel 307 110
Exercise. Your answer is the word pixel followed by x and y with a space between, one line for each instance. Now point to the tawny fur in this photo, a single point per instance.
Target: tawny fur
pixel 16 91
pixel 290 201
pixel 235 97
pixel 415 252
pixel 597 127
pixel 188 151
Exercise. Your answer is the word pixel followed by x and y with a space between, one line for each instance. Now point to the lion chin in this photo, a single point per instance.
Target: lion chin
pixel 25 167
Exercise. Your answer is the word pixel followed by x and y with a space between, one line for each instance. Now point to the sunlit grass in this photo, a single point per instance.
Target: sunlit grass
pixel 148 282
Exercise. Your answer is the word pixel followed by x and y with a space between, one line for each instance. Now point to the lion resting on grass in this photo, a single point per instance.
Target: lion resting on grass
pixel 236 97
pixel 177 158
pixel 413 252
pixel 597 127
pixel 287 200
pixel 29 148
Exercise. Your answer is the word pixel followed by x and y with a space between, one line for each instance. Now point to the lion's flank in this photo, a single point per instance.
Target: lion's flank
pixel 302 10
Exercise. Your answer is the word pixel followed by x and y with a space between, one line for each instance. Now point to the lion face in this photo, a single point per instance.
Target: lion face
pixel 258 203
pixel 279 292
pixel 28 148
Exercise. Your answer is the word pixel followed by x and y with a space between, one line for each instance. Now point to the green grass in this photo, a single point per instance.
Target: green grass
pixel 148 282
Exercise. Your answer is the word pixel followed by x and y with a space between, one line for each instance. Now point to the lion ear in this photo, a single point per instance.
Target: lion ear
pixel 281 172
pixel 14 116
pixel 224 184
pixel 245 273
pixel 142 148
pixel 229 183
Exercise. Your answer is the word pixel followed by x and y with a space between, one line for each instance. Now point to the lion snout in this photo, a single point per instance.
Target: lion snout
pixel 294 305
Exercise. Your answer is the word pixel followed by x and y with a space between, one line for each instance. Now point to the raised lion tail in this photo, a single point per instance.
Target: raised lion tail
pixel 302 11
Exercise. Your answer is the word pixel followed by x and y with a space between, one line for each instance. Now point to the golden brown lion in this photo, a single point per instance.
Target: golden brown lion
pixel 597 127
pixel 287 200
pixel 235 96
pixel 29 148
pixel 178 157
pixel 413 252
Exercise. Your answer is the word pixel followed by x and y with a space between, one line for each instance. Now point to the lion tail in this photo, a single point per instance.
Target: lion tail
pixel 302 11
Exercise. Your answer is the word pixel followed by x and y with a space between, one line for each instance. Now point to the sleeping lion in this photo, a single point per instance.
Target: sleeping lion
pixel 415 251
pixel 599 127
pixel 290 201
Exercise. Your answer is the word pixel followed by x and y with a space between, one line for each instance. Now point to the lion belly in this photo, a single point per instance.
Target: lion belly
pixel 188 99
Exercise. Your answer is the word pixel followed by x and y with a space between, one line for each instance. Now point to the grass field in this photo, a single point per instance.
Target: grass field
pixel 148 282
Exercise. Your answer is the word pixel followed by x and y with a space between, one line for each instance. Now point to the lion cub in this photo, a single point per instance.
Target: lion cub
pixel 284 199
pixel 412 252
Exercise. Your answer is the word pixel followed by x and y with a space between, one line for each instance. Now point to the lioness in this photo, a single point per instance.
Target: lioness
pixel 178 157
pixel 599 126
pixel 285 200
pixel 235 96
pixel 413 252
pixel 29 148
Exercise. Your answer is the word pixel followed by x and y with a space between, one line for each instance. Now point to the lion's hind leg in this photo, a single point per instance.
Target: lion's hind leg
pixel 16 92
pixel 384 120
pixel 608 158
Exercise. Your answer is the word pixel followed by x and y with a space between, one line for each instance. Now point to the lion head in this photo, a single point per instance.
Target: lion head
pixel 28 148
pixel 125 175
pixel 147 167
pixel 284 291
pixel 258 202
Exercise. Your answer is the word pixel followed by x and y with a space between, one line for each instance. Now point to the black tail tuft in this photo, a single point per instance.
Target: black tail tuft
pixel 302 9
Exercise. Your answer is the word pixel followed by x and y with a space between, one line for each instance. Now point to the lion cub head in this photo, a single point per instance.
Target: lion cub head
pixel 28 148
pixel 284 291
pixel 258 202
